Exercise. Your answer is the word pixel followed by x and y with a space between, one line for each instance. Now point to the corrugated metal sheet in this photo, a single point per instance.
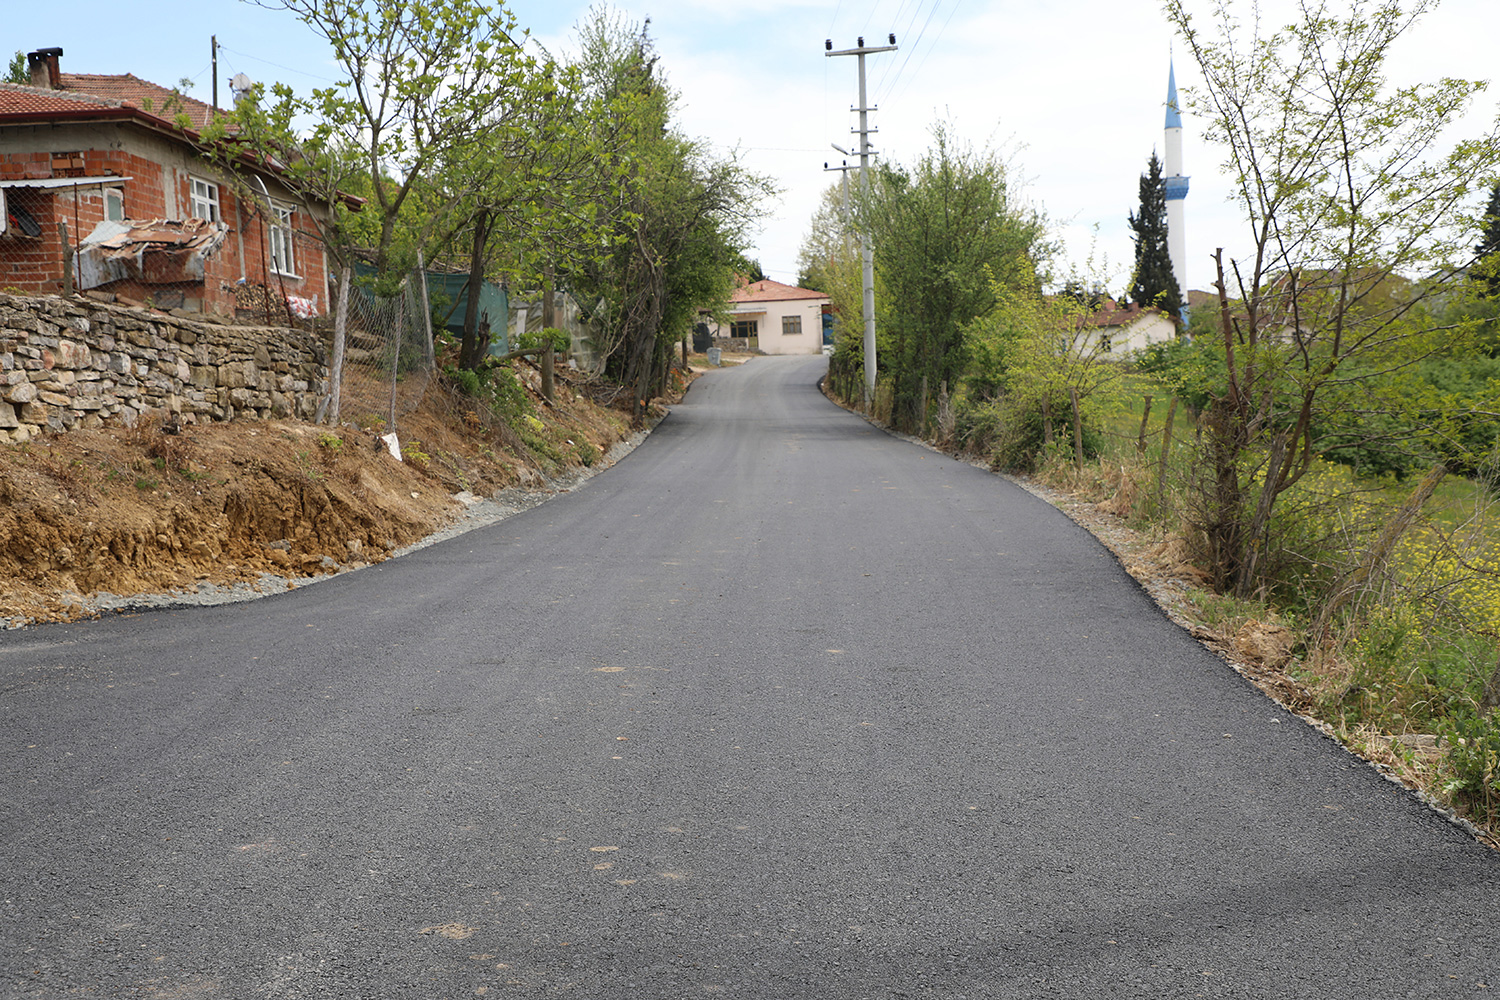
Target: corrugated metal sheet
pixel 159 252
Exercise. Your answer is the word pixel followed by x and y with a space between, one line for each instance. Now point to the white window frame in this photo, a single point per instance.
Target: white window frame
pixel 204 199
pixel 280 234
pixel 114 199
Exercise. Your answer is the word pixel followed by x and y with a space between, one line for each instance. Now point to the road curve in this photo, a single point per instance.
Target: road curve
pixel 778 707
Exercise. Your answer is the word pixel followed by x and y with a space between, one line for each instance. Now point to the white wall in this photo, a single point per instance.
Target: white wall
pixel 769 316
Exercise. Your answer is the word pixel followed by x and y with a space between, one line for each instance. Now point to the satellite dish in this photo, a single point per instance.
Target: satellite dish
pixel 240 84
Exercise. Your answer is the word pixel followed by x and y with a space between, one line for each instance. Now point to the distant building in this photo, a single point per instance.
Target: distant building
pixel 1121 330
pixel 775 319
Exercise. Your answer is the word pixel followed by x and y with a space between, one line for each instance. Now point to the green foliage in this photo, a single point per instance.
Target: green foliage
pixel 1033 354
pixel 949 237
pixel 1153 283
pixel 1473 743
pixel 17 71
pixel 829 261
pixel 495 387
pixel 1344 192
pixel 680 221
pixel 1486 270
pixel 530 341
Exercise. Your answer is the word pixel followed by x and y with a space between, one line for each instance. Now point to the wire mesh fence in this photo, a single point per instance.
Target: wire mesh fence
pixel 382 362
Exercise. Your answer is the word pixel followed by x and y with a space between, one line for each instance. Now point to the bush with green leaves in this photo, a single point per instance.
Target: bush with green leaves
pixel 530 340
pixel 1473 743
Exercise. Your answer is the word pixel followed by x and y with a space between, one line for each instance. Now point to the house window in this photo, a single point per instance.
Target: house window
pixel 205 200
pixel 282 261
pixel 744 328
pixel 791 326
pixel 114 204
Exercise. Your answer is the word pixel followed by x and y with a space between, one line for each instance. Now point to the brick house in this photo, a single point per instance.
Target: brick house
pixel 119 162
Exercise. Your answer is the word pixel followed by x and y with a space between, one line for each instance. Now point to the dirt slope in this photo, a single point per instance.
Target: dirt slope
pixel 161 507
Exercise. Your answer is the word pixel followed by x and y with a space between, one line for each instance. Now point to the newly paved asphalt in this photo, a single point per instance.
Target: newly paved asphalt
pixel 778 707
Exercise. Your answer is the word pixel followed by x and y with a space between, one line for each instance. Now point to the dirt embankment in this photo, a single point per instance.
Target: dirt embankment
pixel 166 508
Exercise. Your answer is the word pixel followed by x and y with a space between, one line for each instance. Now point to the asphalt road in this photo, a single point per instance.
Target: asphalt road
pixel 778 707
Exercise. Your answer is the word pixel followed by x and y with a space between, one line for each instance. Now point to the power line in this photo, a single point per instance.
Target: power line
pixel 923 61
pixel 887 92
pixel 893 72
pixel 289 69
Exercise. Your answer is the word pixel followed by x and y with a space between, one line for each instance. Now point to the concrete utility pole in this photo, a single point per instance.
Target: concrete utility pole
pixel 866 251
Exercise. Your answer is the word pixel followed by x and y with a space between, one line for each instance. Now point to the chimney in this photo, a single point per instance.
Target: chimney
pixel 45 73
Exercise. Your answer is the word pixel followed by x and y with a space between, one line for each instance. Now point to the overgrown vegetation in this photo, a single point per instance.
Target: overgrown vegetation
pixel 1321 449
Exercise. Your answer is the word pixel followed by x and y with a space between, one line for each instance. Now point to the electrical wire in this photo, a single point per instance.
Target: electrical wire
pixel 930 48
pixel 267 62
pixel 884 91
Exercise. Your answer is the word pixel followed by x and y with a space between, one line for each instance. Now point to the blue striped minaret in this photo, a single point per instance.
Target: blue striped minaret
pixel 1177 187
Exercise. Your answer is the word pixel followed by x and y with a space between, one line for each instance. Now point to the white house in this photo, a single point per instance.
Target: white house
pixel 776 318
pixel 1125 330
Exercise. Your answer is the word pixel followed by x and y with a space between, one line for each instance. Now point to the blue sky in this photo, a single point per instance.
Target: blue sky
pixel 1072 92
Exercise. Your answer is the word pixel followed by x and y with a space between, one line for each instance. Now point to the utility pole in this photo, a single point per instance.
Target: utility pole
pixel 213 41
pixel 866 251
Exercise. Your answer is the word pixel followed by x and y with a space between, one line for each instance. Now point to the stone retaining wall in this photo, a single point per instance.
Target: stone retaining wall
pixel 67 363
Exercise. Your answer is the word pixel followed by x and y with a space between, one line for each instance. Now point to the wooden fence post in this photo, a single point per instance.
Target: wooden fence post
pixel 67 250
pixel 1077 427
pixel 547 355
pixel 1166 449
pixel 1140 443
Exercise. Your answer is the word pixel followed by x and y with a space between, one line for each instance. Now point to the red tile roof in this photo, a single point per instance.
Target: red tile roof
pixel 153 98
pixel 16 99
pixel 772 291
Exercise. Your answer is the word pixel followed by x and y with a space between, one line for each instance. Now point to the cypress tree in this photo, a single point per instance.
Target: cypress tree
pixel 1486 261
pixel 1154 283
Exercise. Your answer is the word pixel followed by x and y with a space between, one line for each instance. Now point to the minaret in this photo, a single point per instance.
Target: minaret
pixel 1177 189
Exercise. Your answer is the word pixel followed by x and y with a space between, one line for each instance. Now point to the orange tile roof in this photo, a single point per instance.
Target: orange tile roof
pixel 772 291
pixel 16 99
pixel 153 98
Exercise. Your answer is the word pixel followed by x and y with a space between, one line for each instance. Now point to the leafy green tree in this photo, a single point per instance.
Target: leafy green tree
pixel 17 71
pixel 946 233
pixel 1153 282
pixel 1344 191
pixel 679 226
pixel 422 78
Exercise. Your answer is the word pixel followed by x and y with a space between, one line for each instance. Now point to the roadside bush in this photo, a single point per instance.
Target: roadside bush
pixel 1022 447
pixel 1473 743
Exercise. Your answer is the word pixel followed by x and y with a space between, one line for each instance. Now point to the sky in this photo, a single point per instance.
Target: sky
pixel 1072 94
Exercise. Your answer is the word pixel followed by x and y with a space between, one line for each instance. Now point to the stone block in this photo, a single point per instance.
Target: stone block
pixel 53 398
pixel 35 413
pixel 72 355
pixel 8 418
pixel 20 392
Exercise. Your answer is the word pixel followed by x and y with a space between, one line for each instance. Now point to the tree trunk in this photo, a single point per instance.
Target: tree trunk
pixel 468 355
